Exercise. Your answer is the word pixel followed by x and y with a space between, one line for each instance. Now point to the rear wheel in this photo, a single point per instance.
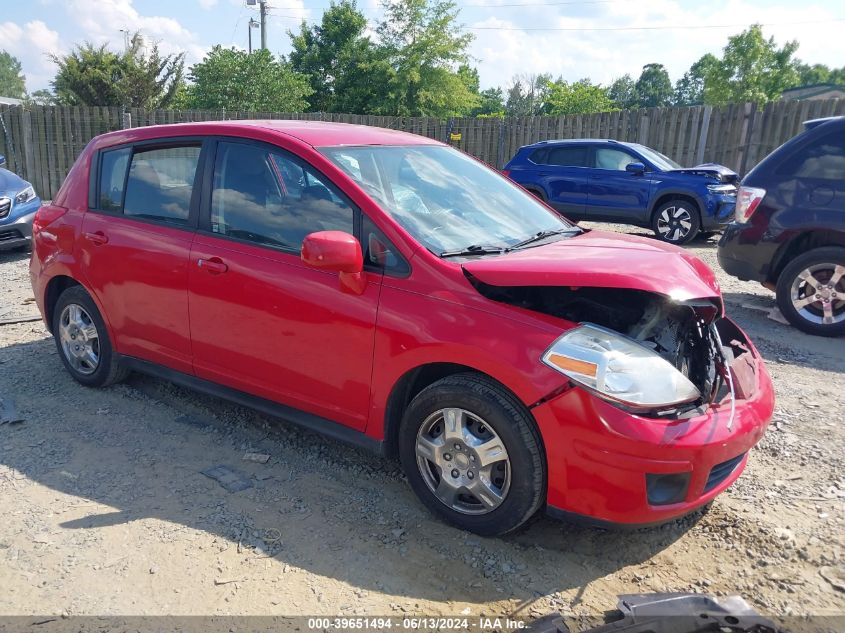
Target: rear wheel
pixel 811 291
pixel 83 341
pixel 676 221
pixel 473 455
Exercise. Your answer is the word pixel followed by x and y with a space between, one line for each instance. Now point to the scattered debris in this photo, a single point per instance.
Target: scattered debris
pixel 230 479
pixel 8 412
pixel 775 315
pixel 260 458
pixel 835 576
pixel 16 320
pixel 225 581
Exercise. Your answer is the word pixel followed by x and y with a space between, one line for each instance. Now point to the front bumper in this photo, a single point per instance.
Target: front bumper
pixel 611 466
pixel 719 211
pixel 16 231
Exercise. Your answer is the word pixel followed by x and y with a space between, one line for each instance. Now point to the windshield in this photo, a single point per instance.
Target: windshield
pixel 445 199
pixel 657 159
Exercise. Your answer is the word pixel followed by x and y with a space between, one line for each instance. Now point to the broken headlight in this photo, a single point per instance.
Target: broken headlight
pixel 619 368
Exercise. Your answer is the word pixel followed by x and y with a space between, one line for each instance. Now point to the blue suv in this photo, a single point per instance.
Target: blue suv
pixel 612 181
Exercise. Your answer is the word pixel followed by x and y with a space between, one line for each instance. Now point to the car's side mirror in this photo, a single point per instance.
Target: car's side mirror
pixel 638 169
pixel 338 252
pixel 2 160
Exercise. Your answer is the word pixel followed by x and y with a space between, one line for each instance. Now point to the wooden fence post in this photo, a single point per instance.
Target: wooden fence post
pixel 26 129
pixel 702 135
pixel 126 120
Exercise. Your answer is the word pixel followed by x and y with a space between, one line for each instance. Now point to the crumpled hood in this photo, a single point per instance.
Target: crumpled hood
pixel 602 260
pixel 713 170
pixel 10 183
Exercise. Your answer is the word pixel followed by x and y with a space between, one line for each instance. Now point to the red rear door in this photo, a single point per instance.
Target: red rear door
pixel 261 321
pixel 135 248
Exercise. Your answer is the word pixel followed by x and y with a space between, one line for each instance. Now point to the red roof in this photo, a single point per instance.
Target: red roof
pixel 315 133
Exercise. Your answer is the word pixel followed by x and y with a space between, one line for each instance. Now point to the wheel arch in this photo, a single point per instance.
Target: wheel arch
pixel 414 380
pixel 665 196
pixel 55 287
pixel 799 244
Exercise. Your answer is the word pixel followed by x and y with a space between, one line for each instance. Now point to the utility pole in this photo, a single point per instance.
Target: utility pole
pixel 253 23
pixel 262 6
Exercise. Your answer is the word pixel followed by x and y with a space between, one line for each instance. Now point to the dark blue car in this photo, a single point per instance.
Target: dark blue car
pixel 18 204
pixel 611 181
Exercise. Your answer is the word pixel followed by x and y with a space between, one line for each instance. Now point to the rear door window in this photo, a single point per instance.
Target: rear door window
pixel 160 183
pixel 568 156
pixel 264 196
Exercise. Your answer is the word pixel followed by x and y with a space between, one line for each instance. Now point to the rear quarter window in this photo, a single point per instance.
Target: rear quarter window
pixel 822 158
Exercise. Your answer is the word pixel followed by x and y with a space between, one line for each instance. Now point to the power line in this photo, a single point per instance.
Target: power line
pixel 467 5
pixel 647 28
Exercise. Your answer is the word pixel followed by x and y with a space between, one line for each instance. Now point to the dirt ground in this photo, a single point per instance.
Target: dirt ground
pixel 105 510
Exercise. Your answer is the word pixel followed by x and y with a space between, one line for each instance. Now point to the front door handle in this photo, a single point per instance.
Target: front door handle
pixel 214 265
pixel 97 238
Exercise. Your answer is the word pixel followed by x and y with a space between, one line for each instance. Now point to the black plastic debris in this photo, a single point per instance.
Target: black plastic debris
pixel 671 613
pixel 229 478
pixel 8 412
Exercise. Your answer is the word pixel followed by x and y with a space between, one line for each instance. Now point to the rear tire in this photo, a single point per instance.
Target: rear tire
pixel 473 455
pixel 811 291
pixel 676 221
pixel 83 340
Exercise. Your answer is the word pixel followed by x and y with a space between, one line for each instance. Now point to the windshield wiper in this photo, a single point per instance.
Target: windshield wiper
pixel 474 249
pixel 541 236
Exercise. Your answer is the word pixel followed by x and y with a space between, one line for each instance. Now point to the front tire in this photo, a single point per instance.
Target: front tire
pixel 676 221
pixel 811 291
pixel 473 455
pixel 83 340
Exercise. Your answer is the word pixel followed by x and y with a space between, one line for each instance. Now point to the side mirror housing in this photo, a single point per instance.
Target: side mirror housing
pixel 338 252
pixel 638 169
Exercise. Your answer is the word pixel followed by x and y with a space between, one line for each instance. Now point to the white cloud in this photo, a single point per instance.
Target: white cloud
pixel 32 44
pixel 605 55
pixel 207 4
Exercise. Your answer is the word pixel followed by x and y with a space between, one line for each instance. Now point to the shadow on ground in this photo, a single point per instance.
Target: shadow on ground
pixel 139 449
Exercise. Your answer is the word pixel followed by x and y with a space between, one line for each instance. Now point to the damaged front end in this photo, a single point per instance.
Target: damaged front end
pixel 688 334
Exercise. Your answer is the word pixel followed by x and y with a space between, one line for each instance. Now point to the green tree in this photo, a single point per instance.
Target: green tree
pixel 654 88
pixel 41 97
pixel 424 45
pixel 527 94
pixel 12 80
pixel 346 71
pixel 580 97
pixel 752 68
pixel 150 79
pixel 623 92
pixel 88 75
pixel 95 75
pixel 236 80
pixel 689 89
pixel 809 75
pixel 491 103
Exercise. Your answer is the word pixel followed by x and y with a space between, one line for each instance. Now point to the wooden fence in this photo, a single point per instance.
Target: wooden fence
pixel 41 142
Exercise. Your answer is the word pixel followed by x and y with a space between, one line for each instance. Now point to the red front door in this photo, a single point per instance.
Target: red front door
pixel 263 322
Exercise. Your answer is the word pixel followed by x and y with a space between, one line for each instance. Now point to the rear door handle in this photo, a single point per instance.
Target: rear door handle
pixel 214 265
pixel 97 237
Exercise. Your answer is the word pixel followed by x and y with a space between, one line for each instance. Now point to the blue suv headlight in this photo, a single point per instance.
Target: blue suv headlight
pixel 722 189
pixel 25 196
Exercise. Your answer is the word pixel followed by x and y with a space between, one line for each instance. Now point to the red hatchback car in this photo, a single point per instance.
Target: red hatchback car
pixel 391 291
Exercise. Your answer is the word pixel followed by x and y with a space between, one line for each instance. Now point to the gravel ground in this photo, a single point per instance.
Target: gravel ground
pixel 106 510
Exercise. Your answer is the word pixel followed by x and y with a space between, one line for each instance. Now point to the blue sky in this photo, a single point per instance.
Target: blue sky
pixel 601 39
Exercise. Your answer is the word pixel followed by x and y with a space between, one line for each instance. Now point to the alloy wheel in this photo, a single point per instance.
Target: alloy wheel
pixel 79 339
pixel 674 223
pixel 463 461
pixel 818 294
